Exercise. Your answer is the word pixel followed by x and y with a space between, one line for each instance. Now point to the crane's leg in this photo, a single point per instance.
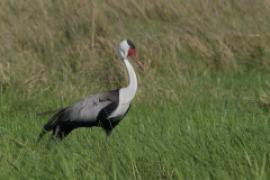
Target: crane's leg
pixel 60 131
pixel 56 131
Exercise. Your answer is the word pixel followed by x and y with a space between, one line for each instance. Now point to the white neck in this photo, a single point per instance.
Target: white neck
pixel 126 94
pixel 131 89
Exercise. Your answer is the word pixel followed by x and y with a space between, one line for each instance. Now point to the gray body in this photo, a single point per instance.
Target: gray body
pixel 92 111
pixel 88 109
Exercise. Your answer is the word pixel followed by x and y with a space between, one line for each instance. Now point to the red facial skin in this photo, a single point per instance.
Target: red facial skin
pixel 132 53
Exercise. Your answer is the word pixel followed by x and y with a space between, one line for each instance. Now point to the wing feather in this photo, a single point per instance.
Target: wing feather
pixel 89 108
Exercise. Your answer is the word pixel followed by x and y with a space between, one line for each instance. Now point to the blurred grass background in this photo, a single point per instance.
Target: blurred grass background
pixel 202 108
pixel 74 42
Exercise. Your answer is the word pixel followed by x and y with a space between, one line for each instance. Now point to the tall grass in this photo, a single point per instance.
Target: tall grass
pixel 75 41
pixel 202 108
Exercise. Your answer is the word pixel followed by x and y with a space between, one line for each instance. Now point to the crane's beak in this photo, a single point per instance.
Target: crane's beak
pixel 132 53
pixel 140 64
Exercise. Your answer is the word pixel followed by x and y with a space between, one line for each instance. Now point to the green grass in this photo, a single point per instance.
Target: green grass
pixel 202 106
pixel 212 132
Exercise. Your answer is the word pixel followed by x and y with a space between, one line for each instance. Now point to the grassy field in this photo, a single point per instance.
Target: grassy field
pixel 203 102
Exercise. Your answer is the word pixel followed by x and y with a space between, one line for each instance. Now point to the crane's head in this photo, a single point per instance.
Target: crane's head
pixel 127 50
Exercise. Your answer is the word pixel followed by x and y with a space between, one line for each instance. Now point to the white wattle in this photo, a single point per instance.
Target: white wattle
pixel 126 94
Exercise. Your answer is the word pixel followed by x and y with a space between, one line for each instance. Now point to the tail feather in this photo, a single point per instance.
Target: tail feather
pixel 41 134
pixel 52 123
pixel 54 119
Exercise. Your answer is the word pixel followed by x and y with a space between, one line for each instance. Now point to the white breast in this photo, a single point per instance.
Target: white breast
pixel 124 102
pixel 120 111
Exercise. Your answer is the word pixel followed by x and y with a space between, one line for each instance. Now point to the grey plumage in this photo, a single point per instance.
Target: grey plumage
pixel 91 111
pixel 104 110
